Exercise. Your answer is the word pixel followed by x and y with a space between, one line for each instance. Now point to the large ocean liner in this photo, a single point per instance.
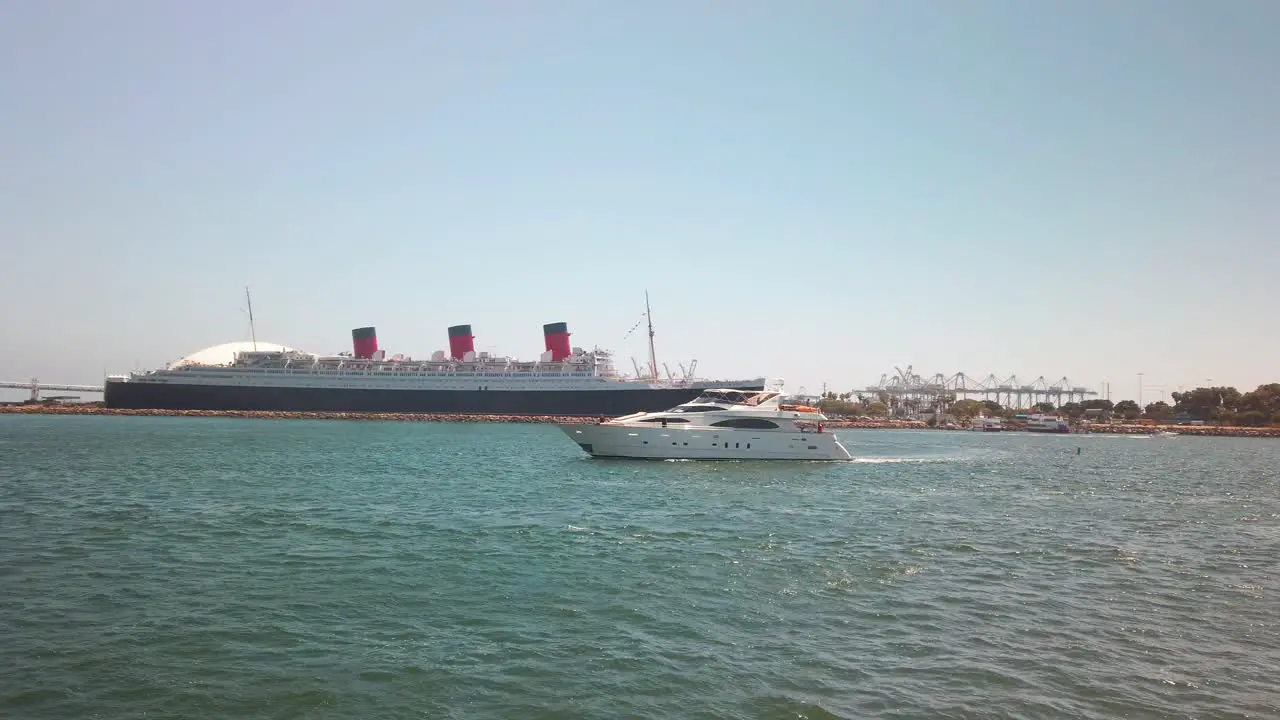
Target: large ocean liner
pixel 564 380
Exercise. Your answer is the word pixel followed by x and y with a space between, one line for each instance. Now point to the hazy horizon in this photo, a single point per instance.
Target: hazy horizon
pixel 818 192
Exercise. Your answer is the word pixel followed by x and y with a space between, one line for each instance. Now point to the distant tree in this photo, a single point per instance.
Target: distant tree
pixel 1265 399
pixel 1044 407
pixel 992 408
pixel 1128 409
pixel 837 407
pixel 1160 411
pixel 877 409
pixel 965 409
pixel 1072 410
pixel 1201 403
pixel 1098 404
pixel 1251 418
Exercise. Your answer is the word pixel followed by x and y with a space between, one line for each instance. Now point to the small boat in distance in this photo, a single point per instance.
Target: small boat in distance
pixel 719 424
pixel 986 424
pixel 1044 423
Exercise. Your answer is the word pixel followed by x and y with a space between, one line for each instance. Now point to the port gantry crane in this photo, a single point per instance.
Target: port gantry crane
pixel 907 391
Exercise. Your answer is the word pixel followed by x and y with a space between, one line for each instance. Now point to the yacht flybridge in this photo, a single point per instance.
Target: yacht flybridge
pixel 719 424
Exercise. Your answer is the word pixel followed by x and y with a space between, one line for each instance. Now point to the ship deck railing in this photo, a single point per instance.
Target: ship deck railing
pixel 383 372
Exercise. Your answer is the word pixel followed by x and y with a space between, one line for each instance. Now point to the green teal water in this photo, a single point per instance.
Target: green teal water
pixel 208 568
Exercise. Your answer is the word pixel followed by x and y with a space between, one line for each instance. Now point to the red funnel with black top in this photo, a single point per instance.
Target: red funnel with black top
pixel 461 341
pixel 556 336
pixel 364 342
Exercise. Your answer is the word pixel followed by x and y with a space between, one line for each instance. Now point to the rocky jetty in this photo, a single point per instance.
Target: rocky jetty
pixel 1099 429
pixel 95 409
pixel 876 425
pixel 1197 430
pixel 98 409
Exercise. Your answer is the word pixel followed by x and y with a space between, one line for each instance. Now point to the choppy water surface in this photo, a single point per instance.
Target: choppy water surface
pixel 203 568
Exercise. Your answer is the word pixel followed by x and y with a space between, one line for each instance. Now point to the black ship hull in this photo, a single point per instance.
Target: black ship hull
pixel 575 403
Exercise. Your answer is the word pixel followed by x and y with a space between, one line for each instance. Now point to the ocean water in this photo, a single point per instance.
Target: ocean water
pixel 212 568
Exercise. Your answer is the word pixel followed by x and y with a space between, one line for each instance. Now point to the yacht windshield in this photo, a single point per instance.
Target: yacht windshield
pixel 718 396
pixel 732 397
pixel 694 408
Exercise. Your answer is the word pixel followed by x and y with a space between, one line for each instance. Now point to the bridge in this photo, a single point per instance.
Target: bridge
pixel 35 386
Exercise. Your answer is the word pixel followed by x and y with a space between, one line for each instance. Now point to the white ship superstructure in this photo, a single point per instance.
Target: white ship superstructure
pixel 582 370
pixel 563 380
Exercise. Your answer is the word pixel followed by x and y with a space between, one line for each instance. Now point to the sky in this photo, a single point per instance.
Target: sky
pixel 816 191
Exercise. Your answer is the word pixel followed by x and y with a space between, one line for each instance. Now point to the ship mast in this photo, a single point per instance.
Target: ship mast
pixel 653 359
pixel 253 335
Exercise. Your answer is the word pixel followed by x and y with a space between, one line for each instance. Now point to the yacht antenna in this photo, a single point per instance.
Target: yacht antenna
pixel 253 335
pixel 653 359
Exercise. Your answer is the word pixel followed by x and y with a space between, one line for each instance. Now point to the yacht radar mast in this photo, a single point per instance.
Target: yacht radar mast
pixel 653 358
pixel 253 334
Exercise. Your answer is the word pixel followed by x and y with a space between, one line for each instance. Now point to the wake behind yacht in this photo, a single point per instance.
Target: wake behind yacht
pixel 719 424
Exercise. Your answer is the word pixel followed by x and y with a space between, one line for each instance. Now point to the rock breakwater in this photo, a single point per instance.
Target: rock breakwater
pixel 98 409
pixel 93 409
pixel 876 424
pixel 1197 430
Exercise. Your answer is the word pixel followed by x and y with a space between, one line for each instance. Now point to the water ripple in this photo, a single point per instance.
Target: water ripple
pixel 208 568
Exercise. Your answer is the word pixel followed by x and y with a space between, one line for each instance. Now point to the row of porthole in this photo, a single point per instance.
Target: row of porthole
pixel 737 446
pixel 327 386
pixel 387 371
pixel 742 423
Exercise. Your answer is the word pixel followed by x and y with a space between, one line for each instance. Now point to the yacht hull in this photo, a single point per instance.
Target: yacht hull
pixel 703 443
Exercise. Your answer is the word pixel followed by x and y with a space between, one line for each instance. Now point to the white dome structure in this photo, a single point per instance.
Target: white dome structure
pixel 225 353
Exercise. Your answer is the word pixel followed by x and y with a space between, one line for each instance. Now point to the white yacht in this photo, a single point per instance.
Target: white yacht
pixel 719 424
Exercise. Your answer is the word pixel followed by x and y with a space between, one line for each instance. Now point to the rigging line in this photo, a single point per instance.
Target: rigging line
pixel 633 327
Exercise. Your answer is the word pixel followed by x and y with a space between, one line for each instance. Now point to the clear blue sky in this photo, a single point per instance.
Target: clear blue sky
pixel 812 190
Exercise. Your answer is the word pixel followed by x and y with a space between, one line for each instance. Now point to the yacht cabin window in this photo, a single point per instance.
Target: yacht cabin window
pixel 747 424
pixel 734 397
